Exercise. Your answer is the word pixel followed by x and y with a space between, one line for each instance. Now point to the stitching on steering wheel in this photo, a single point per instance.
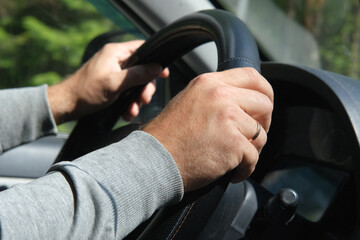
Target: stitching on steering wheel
pixel 242 59
pixel 182 222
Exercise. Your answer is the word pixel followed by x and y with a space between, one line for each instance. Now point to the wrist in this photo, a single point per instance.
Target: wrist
pixel 153 129
pixel 62 101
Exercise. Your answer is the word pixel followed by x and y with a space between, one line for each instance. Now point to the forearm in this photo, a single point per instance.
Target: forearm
pixel 103 195
pixel 25 116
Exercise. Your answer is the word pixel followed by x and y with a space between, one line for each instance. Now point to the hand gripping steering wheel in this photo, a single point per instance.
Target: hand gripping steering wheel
pixel 236 48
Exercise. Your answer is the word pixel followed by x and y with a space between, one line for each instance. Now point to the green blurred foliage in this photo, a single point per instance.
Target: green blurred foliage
pixel 336 26
pixel 49 78
pixel 42 41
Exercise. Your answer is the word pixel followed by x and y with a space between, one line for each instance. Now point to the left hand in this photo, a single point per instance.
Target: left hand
pixel 100 81
pixel 216 116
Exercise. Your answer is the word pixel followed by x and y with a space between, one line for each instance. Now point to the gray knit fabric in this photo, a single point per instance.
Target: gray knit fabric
pixel 24 116
pixel 103 195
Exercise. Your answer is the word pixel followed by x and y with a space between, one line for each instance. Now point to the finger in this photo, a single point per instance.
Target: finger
pixel 252 130
pixel 144 98
pixel 247 78
pixel 138 75
pixel 258 140
pixel 127 116
pixel 122 51
pixel 148 92
pixel 133 45
pixel 247 164
pixel 165 73
pixel 241 173
pixel 133 111
pixel 256 105
pixel 129 48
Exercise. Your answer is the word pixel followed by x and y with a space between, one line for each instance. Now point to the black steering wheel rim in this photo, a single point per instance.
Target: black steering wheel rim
pixel 235 45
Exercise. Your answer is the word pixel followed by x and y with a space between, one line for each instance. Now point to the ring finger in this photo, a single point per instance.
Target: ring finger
pixel 251 129
pixel 256 105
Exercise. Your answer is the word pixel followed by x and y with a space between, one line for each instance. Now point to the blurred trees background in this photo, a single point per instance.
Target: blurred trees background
pixel 42 41
pixel 336 26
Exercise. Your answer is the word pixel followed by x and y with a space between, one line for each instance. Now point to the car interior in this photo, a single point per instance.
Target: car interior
pixel 306 182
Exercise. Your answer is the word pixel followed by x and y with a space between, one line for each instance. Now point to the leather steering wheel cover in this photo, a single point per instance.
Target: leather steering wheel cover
pixel 235 45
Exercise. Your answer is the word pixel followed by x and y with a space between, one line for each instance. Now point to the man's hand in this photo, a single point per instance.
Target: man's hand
pixel 208 126
pixel 100 81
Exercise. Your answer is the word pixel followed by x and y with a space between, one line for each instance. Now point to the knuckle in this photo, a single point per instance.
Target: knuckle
pixel 108 47
pixel 110 84
pixel 228 112
pixel 233 137
pixel 219 93
pixel 253 75
pixel 251 71
pixel 261 98
pixel 268 106
pixel 203 79
pixel 256 80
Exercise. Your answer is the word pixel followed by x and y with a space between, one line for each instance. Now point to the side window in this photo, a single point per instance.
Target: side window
pixel 335 26
pixel 43 41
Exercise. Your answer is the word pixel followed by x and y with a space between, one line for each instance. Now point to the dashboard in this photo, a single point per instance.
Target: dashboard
pixel 313 147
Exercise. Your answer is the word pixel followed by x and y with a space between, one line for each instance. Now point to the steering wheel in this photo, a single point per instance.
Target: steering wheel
pixel 236 48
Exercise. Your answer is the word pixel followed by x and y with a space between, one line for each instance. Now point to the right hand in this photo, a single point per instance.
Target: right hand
pixel 207 127
pixel 100 81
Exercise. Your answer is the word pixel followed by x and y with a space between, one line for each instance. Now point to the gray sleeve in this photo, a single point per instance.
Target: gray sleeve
pixel 24 116
pixel 103 195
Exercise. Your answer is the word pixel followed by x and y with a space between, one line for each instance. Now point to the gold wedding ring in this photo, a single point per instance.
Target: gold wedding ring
pixel 257 133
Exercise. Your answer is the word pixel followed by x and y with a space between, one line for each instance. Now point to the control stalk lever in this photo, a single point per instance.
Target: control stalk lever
pixel 281 207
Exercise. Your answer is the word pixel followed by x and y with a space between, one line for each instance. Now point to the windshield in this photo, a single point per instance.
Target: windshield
pixel 317 33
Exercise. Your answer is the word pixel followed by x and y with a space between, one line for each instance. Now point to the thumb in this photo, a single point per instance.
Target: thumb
pixel 139 75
